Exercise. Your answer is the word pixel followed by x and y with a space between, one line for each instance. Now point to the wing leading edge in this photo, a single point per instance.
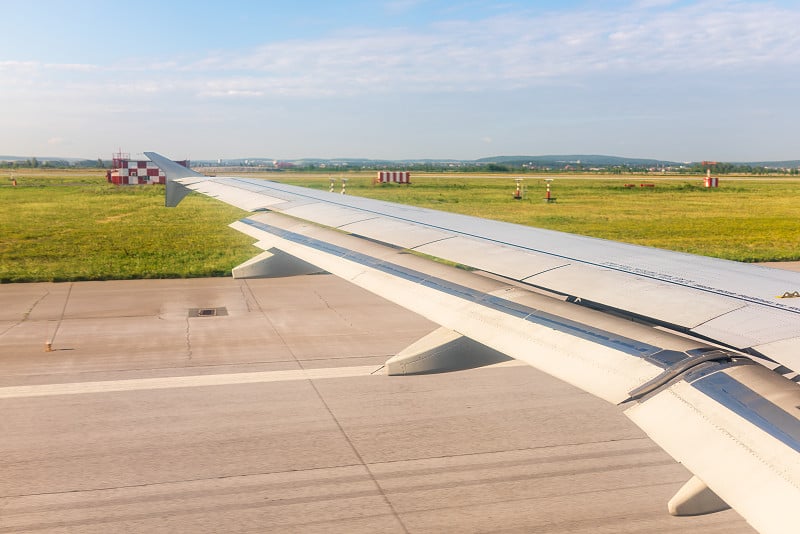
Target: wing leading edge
pixel 733 423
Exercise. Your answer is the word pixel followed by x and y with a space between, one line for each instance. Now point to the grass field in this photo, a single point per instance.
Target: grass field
pixel 61 225
pixel 71 225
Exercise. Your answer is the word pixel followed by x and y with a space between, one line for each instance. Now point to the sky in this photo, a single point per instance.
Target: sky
pixel 401 79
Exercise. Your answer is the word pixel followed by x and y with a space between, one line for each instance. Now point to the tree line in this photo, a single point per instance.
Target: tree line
pixel 34 163
pixel 466 167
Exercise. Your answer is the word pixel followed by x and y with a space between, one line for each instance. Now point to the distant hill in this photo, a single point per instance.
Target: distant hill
pixel 582 159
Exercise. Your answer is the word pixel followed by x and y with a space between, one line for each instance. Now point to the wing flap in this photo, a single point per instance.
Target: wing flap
pixel 782 350
pixel 751 326
pixel 742 444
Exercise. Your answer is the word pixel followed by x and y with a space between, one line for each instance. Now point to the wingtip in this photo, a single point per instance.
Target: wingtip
pixel 173 171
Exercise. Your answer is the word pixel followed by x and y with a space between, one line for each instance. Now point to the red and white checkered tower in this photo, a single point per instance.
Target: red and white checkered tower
pixel 125 171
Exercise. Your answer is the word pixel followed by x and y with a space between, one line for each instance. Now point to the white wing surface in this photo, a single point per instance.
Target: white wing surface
pixel 668 336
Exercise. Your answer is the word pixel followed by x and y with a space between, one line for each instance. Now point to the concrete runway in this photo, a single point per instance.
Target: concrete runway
pixel 266 418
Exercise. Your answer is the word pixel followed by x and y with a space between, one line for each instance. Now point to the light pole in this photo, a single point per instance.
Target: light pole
pixel 547 197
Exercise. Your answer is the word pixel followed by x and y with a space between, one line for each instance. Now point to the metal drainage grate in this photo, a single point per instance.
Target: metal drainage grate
pixel 208 312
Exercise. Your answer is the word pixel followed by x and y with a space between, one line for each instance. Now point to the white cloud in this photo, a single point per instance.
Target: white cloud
pixel 74 67
pixel 231 93
pixel 453 76
pixel 646 4
pixel 506 52
pixel 515 51
pixel 18 65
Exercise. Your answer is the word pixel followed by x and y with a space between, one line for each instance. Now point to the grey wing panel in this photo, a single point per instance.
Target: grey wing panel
pixel 240 194
pixel 752 326
pixel 328 215
pixel 784 350
pixel 728 302
pixel 505 260
pixel 406 235
pixel 638 295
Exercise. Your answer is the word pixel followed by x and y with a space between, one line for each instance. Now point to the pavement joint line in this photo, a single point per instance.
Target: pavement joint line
pixel 63 312
pixel 140 384
pixel 335 419
pixel 188 333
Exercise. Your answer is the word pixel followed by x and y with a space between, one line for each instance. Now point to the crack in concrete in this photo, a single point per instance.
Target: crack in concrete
pixel 63 312
pixel 247 293
pixel 25 314
pixel 188 333
pixel 334 310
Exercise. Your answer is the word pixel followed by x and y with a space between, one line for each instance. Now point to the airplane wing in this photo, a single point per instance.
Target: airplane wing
pixel 672 338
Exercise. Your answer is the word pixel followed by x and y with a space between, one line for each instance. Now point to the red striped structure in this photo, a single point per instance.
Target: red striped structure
pixel 397 177
pixel 711 181
pixel 130 172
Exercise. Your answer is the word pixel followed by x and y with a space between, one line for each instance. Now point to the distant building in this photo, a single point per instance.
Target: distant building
pixel 125 171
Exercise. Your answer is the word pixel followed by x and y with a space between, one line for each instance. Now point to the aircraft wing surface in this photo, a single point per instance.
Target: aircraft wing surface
pixel 664 334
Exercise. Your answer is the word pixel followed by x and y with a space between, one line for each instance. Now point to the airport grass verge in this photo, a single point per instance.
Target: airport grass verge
pixel 72 225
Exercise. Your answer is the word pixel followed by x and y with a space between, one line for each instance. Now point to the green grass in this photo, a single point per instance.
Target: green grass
pixel 69 225
pixel 77 227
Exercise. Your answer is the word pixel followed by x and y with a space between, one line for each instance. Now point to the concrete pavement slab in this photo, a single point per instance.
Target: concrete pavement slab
pixel 145 419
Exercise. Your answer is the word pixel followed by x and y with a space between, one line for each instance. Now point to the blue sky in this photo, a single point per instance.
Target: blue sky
pixel 678 80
